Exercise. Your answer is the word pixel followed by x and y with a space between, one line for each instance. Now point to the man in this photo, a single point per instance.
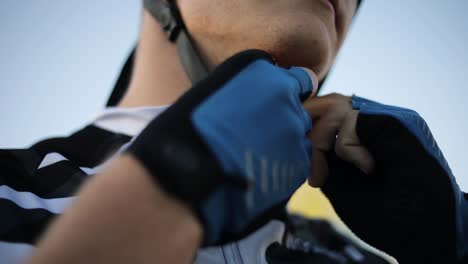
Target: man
pixel 160 200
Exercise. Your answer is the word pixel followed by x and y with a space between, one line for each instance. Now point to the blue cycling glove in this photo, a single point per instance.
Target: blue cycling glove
pixel 234 147
pixel 410 206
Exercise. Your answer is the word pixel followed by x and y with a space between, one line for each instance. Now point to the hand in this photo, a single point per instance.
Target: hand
pixel 335 131
pixel 409 205
pixel 211 151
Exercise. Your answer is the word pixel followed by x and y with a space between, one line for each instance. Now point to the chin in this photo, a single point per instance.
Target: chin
pixel 298 45
pixel 302 40
pixel 317 60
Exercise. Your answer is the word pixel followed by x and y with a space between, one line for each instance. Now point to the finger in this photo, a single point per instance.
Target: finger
pixel 348 146
pixel 324 131
pixel 307 79
pixel 323 136
pixel 319 171
pixel 326 127
pixel 319 106
pixel 314 79
pixel 359 156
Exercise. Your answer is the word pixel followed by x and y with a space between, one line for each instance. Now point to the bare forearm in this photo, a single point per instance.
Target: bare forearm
pixel 122 217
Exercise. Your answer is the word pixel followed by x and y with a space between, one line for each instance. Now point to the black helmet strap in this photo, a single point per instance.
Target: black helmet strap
pixel 167 14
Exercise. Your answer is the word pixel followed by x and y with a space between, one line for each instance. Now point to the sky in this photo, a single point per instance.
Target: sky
pixel 59 60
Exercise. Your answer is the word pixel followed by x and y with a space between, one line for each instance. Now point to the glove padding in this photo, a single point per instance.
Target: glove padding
pixel 410 206
pixel 234 147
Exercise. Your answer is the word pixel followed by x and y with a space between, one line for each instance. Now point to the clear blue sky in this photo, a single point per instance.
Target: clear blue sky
pixel 59 59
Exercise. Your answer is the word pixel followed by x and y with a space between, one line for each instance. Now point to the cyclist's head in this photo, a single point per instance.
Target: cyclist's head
pixel 305 33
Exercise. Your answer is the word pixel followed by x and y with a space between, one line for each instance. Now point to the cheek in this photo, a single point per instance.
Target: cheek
pixel 208 17
pixel 193 15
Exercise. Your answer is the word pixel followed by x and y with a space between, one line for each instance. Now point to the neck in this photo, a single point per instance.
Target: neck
pixel 158 77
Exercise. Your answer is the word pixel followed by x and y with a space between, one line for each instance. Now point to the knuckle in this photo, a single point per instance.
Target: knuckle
pixel 335 96
pixel 337 99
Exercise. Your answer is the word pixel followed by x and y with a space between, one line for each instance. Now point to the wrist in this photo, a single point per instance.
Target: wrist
pixel 180 216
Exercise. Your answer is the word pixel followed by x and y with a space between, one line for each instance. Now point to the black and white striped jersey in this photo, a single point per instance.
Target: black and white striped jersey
pixel 37 184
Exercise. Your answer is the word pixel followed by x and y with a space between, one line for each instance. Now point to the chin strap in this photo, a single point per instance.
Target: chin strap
pixel 167 14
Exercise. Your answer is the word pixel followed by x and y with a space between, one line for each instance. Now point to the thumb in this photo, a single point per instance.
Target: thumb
pixel 308 81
